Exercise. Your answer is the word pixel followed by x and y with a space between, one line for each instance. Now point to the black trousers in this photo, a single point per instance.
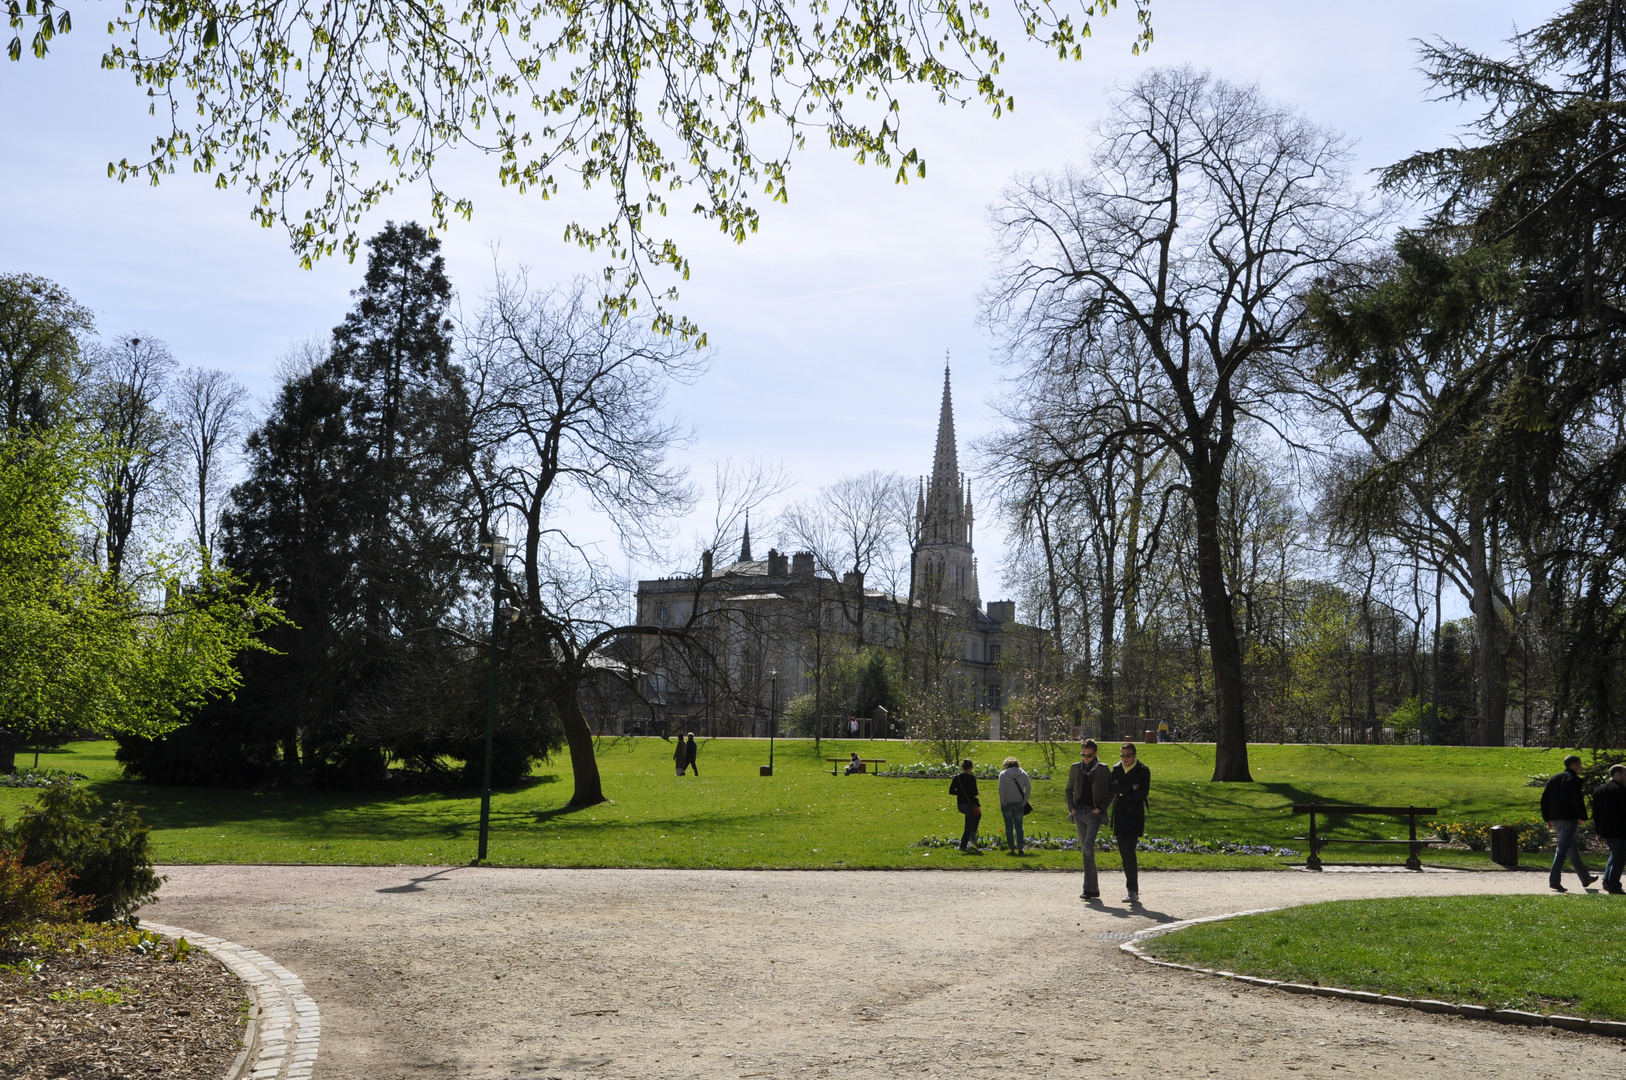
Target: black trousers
pixel 1126 851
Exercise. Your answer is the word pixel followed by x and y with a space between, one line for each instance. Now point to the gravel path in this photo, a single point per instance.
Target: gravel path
pixel 425 973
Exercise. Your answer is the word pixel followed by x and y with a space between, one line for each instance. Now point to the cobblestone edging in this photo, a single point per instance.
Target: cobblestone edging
pixel 1477 1012
pixel 284 1026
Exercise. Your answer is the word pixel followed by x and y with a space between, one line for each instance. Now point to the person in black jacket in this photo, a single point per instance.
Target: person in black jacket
pixel 1609 818
pixel 691 752
pixel 1130 781
pixel 964 789
pixel 1563 808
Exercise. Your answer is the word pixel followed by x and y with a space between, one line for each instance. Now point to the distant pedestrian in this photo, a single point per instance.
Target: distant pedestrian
pixel 1015 788
pixel 852 727
pixel 1609 819
pixel 1089 794
pixel 964 789
pixel 1131 780
pixel 680 757
pixel 1563 808
pixel 691 752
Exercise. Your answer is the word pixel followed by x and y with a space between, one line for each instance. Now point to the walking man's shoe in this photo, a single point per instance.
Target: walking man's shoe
pixel 1557 888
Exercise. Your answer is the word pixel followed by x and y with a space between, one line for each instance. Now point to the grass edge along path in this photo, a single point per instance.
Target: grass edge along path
pixel 729 817
pixel 1542 954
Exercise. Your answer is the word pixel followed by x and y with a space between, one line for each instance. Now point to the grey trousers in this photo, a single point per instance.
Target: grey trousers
pixel 1088 826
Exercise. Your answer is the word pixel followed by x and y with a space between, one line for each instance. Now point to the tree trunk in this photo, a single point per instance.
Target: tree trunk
pixel 1231 729
pixel 11 744
pixel 579 736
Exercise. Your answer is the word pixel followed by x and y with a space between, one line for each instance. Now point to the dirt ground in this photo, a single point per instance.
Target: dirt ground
pixel 424 973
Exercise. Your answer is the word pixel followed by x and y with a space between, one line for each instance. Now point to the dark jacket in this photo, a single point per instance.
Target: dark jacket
pixel 1089 788
pixel 1609 810
pixel 1129 799
pixel 681 754
pixel 1564 798
pixel 964 789
pixel 691 750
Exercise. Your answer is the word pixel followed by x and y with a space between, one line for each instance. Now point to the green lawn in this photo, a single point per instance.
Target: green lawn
pixel 802 816
pixel 1546 954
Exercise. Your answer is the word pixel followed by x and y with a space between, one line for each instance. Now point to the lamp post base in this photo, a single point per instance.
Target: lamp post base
pixel 765 770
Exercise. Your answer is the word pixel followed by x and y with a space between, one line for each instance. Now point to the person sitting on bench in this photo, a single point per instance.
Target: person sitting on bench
pixel 854 765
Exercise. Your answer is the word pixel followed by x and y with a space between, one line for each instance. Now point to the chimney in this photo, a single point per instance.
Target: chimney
pixel 1002 610
pixel 778 564
pixel 801 562
pixel 853 580
pixel 705 565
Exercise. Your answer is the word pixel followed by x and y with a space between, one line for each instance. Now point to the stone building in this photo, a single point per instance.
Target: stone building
pixel 754 631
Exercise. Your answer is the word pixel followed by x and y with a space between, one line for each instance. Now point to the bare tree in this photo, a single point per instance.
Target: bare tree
pixel 208 411
pixel 853 528
pixel 126 407
pixel 568 417
pixel 1201 217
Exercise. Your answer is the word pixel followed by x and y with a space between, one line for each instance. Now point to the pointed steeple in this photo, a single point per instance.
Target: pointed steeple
pixel 745 545
pixel 946 462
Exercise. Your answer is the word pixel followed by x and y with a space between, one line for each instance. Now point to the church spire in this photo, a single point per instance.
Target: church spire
pixel 946 462
pixel 745 546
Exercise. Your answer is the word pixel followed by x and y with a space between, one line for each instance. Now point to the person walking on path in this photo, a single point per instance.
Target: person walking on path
pixel 1089 794
pixel 690 753
pixel 964 789
pixel 1130 781
pixel 1609 818
pixel 1015 787
pixel 1563 808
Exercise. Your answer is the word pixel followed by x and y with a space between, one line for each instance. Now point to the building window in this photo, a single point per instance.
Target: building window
pixel 660 616
pixel 993 654
pixel 996 696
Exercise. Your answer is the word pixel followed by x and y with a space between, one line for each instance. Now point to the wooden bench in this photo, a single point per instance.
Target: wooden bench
pixel 838 763
pixel 1317 842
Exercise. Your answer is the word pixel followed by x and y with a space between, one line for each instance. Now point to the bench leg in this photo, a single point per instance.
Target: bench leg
pixel 1314 861
pixel 1415 862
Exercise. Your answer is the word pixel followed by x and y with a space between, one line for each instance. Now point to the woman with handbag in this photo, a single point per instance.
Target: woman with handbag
pixel 1130 781
pixel 1015 787
pixel 964 789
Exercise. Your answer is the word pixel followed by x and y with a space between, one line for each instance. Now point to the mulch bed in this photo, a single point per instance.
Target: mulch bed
pixel 124 1008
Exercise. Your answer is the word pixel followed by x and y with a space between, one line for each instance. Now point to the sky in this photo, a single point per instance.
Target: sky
pixel 828 328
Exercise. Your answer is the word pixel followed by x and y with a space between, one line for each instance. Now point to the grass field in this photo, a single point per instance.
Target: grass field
pixel 1546 954
pixel 729 817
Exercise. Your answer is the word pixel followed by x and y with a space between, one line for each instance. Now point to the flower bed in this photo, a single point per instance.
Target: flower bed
pixel 40 778
pixel 925 770
pixel 1159 844
pixel 1534 835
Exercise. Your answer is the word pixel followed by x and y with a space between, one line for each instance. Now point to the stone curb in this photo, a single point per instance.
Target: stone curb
pixel 1613 1028
pixel 284 1026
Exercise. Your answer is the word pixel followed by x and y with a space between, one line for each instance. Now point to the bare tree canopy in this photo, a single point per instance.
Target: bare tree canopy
pixel 126 403
pixel 1183 245
pixel 207 409
pixel 351 100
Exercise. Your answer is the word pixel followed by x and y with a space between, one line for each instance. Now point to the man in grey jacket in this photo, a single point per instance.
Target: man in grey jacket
pixel 1089 793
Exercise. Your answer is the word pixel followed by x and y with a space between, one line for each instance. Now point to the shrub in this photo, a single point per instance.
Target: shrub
pixel 105 856
pixel 35 894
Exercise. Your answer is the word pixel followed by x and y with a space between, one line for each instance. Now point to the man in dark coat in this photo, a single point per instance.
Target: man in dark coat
pixel 1609 818
pixel 1563 808
pixel 690 753
pixel 1131 779
pixel 1089 794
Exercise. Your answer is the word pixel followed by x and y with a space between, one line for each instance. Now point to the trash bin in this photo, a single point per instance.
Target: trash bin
pixel 1504 845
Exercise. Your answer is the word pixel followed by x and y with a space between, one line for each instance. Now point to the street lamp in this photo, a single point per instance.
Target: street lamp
pixel 1524 687
pixel 499 550
pixel 773 718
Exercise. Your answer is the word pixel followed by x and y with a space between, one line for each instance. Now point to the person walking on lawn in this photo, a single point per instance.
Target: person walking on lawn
pixel 1131 779
pixel 1015 787
pixel 964 789
pixel 1609 818
pixel 690 753
pixel 1089 794
pixel 680 756
pixel 1563 808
